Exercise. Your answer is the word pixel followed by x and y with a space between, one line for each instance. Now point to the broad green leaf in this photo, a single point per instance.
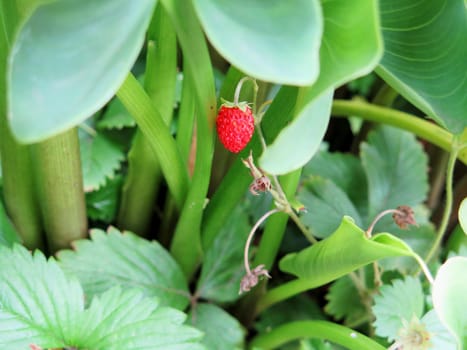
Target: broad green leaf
pixel 344 170
pixel 116 116
pixel 463 215
pixel 100 159
pixel 68 59
pixel 38 303
pixel 102 204
pixel 399 302
pixel 352 44
pixel 449 301
pixel 425 56
pixel 326 205
pixel 344 55
pixel 222 331
pixel 396 168
pixel 128 261
pixel 276 41
pixel 127 320
pixel 299 141
pixel 344 301
pixel 8 234
pixel 223 267
pixel 344 251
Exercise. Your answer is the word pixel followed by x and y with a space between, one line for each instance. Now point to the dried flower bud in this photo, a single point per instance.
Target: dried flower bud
pixel 261 184
pixel 404 216
pixel 251 279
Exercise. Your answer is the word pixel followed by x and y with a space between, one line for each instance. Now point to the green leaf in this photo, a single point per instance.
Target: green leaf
pixel 37 302
pixel 449 291
pixel 116 116
pixel 396 168
pixel 344 302
pixel 463 215
pixel 223 267
pixel 128 261
pixel 326 205
pixel 100 158
pixel 300 140
pixel 222 331
pixel 396 303
pixel 102 204
pixel 8 234
pixel 277 41
pixel 344 170
pixel 127 320
pixel 352 44
pixel 344 251
pixel 424 57
pixel 68 59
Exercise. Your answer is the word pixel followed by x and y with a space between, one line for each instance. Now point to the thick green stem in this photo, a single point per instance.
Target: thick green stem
pixel 148 118
pixel 335 333
pixel 449 199
pixel 18 188
pixel 60 185
pixel 144 175
pixel 422 128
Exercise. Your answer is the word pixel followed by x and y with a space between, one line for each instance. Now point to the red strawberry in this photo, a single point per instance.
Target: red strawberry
pixel 235 126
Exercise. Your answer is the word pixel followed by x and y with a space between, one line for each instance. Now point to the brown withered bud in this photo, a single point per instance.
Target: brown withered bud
pixel 251 279
pixel 261 182
pixel 403 216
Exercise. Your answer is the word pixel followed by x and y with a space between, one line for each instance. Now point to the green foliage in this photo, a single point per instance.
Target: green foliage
pixel 246 37
pixel 299 141
pixel 116 117
pixel 463 215
pixel 424 57
pixel 127 261
pixel 222 331
pixel 102 204
pixel 344 301
pixel 400 302
pixel 70 68
pixel 46 308
pixel 101 158
pixel 8 234
pixel 396 169
pixel 223 263
pixel 449 292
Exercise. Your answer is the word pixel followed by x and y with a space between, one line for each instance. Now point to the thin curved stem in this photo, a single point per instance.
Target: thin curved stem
pixel 449 199
pixel 250 237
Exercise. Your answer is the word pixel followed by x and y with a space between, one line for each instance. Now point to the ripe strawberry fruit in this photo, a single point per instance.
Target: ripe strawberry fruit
pixel 235 125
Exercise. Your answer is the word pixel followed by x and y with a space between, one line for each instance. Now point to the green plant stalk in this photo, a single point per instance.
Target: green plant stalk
pixel 60 186
pixel 18 187
pixel 422 128
pixel 186 243
pixel 456 147
pixel 335 333
pixel 153 127
pixel 144 175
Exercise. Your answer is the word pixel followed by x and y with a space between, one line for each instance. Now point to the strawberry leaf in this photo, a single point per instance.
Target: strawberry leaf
pixel 8 234
pixel 128 261
pixel 102 204
pixel 401 301
pixel 116 117
pixel 222 331
pixel 100 158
